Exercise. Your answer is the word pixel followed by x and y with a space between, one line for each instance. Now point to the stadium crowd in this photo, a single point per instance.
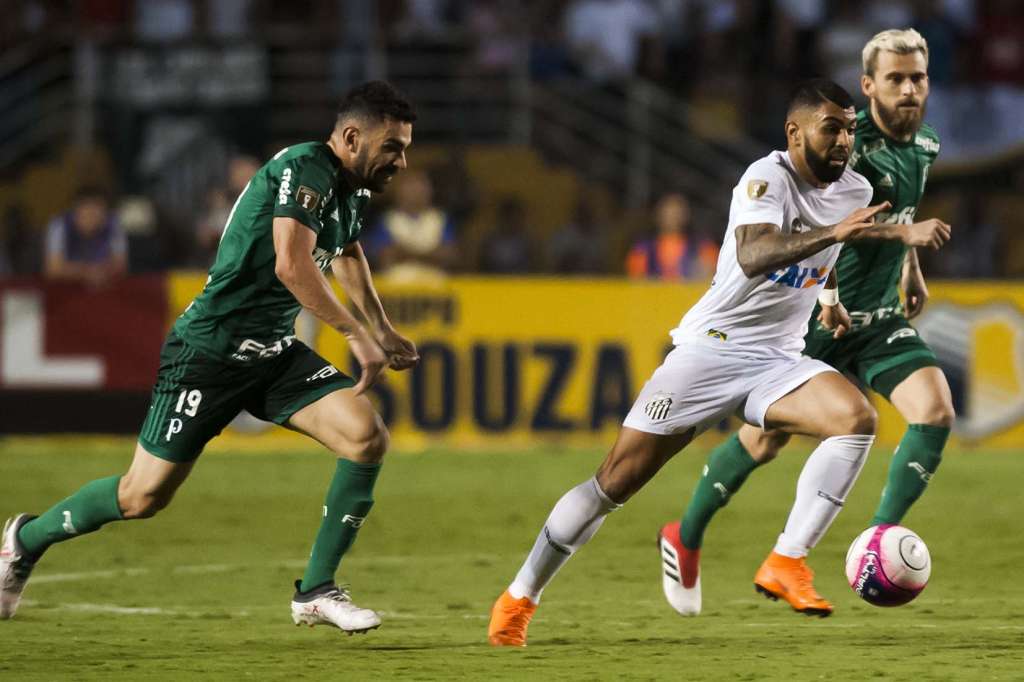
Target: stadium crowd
pixel 728 59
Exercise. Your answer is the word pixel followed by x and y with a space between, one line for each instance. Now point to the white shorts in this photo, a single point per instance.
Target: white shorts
pixel 703 381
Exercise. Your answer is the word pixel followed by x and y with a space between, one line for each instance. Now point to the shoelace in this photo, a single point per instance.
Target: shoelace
pixel 340 595
pixel 518 621
pixel 805 578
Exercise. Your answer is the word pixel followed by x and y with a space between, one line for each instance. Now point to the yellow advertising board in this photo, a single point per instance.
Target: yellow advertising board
pixel 516 362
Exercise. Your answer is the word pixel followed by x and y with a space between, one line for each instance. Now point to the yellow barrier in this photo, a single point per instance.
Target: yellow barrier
pixel 519 362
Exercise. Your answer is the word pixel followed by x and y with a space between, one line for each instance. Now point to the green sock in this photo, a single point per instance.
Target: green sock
pixel 93 505
pixel 728 466
pixel 915 460
pixel 349 500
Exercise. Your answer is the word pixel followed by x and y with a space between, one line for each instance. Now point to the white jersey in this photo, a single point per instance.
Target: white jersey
pixel 773 309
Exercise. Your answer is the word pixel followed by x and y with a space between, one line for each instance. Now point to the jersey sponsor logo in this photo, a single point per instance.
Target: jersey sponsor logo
pixel 927 144
pixel 657 408
pixel 323 373
pixel 307 197
pixel 285 190
pixel 903 217
pixel 863 318
pixel 798 277
pixel 715 334
pixel 250 348
pixel 885 181
pixel 323 258
pixel 354 521
pixel 901 334
pixel 757 188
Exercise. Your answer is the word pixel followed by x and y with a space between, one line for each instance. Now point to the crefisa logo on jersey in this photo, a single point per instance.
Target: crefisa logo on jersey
pixel 981 351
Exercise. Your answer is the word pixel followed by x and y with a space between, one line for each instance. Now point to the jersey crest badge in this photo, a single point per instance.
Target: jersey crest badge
pixel 307 198
pixel 757 188
pixel 657 407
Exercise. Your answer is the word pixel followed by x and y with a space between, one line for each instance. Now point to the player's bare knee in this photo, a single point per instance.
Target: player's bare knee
pixel 940 414
pixel 369 442
pixel 857 417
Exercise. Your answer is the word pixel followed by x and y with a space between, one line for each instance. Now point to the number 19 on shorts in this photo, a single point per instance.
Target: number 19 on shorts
pixel 188 405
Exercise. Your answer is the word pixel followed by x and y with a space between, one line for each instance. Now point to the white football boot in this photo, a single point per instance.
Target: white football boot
pixel 15 566
pixel 679 567
pixel 331 605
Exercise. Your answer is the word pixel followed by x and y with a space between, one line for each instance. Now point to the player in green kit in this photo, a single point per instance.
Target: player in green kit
pixel 234 348
pixel 893 149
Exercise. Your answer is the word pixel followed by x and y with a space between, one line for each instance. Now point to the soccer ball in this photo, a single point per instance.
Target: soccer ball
pixel 888 565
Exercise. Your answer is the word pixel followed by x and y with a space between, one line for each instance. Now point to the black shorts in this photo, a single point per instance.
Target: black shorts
pixel 196 396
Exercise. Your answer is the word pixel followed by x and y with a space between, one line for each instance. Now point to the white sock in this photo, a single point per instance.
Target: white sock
pixel 573 521
pixel 827 477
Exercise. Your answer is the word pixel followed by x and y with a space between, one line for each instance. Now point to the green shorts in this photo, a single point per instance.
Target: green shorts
pixel 881 355
pixel 196 396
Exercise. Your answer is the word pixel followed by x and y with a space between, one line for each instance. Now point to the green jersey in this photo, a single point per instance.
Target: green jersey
pixel 869 271
pixel 244 312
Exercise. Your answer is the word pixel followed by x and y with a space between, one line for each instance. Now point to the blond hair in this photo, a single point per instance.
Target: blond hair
pixel 906 41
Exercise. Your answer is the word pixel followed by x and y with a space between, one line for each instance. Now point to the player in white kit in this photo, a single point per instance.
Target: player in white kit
pixel 737 351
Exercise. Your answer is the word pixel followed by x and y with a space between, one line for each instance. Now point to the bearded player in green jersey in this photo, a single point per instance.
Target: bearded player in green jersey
pixel 234 348
pixel 893 149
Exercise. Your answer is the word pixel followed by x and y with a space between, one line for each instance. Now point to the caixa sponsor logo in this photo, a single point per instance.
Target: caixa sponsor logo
pixel 798 277
pixel 981 351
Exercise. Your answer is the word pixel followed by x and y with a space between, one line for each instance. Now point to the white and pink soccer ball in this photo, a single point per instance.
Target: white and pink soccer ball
pixel 888 565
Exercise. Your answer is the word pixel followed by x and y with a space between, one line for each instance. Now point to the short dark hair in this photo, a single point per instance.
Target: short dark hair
pixel 377 100
pixel 814 92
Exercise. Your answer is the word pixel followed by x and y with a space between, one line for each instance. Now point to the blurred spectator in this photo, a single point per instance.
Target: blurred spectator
pixel 842 42
pixel 414 239
pixel 498 31
pixel 505 250
pixel 18 253
pixel 421 21
pixel 605 36
pixel 86 243
pixel 219 201
pixel 164 20
pixel 137 217
pixel 456 190
pixel 942 35
pixel 1000 43
pixel 579 246
pixel 674 252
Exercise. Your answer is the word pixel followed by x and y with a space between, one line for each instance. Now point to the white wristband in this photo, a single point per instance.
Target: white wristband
pixel 829 297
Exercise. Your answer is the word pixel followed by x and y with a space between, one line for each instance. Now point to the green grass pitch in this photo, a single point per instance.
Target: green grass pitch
pixel 202 590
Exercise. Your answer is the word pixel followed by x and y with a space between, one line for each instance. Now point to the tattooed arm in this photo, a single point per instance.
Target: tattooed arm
pixel 763 248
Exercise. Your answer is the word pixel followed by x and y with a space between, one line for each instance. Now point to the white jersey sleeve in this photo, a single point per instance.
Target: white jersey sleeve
pixel 772 309
pixel 760 196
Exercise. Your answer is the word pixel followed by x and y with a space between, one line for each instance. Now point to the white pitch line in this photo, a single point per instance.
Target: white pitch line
pixel 225 568
pixel 88 575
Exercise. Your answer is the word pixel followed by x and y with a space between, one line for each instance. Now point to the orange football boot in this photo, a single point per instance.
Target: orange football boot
pixel 782 577
pixel 509 619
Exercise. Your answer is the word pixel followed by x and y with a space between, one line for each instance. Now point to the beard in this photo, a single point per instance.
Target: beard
pixel 902 122
pixel 821 165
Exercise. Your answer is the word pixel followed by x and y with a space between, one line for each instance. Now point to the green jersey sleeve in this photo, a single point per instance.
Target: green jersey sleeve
pixel 304 186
